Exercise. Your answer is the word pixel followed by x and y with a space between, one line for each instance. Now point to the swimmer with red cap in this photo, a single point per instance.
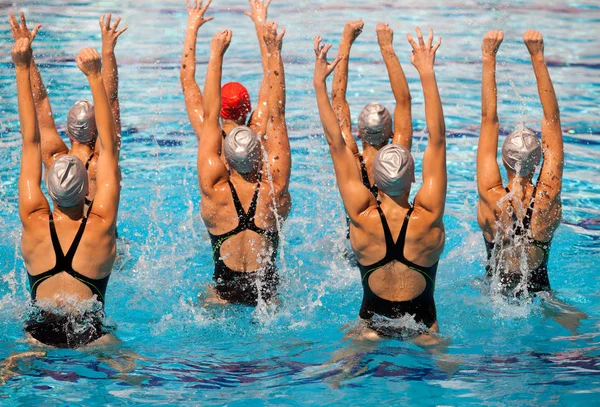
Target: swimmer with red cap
pixel 81 121
pixel 245 199
pixel 235 104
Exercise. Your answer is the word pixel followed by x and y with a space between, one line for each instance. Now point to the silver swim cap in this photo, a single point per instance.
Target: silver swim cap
pixel 522 151
pixel 81 122
pixel 375 124
pixel 393 169
pixel 242 149
pixel 67 181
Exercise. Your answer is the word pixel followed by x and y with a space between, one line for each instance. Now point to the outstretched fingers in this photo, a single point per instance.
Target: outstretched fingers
pixel 317 45
pixel 14 24
pixel 34 32
pixel 206 5
pixel 281 34
pixel 412 42
pixel 437 44
pixel 430 38
pixel 420 38
pixel 23 19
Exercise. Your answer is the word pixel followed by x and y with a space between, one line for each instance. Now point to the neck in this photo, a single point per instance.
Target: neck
pixel 74 213
pixel 400 200
pixel 229 125
pixel 251 177
pixel 520 182
pixel 370 148
pixel 79 147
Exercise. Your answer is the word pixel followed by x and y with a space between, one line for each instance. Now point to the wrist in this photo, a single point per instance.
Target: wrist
pixel 94 77
pixel 488 57
pixel 427 73
pixel 386 49
pixel 22 68
pixel 319 84
pixel 538 57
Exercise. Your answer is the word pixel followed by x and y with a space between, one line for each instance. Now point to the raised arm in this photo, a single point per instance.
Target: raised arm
pixel 187 75
pixel 259 18
pixel 489 180
pixel 403 129
pixel 341 107
pixel 550 179
pixel 110 72
pixel 31 197
pixel 432 195
pixel 276 142
pixel 51 143
pixel 357 198
pixel 108 179
pixel 211 170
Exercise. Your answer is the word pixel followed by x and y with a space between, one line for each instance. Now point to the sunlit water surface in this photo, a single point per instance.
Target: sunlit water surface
pixel 295 355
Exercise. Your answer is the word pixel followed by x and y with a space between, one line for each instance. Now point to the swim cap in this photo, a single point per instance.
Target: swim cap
pixel 393 169
pixel 375 124
pixel 522 151
pixel 81 122
pixel 235 102
pixel 67 181
pixel 242 149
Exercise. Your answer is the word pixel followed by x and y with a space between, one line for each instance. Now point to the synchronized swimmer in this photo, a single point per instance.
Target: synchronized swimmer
pixel 244 166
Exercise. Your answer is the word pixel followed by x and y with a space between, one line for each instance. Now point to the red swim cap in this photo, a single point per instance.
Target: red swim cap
pixel 235 102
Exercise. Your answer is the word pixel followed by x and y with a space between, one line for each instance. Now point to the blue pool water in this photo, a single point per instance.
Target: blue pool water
pixel 500 353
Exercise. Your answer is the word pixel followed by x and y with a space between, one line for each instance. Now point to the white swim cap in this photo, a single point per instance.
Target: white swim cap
pixel 242 149
pixel 81 122
pixel 393 169
pixel 375 124
pixel 67 181
pixel 522 151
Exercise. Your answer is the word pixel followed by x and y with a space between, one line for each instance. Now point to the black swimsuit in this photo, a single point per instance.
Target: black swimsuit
pixel 422 306
pixel 538 278
pixel 68 330
pixel 237 286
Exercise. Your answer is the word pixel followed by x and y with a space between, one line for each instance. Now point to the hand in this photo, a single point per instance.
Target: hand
pixel 272 40
pixel 352 30
pixel 491 43
pixel 423 54
pixel 20 30
pixel 534 41
pixel 196 14
pixel 322 68
pixel 259 11
pixel 110 34
pixel 385 35
pixel 22 53
pixel 89 62
pixel 220 42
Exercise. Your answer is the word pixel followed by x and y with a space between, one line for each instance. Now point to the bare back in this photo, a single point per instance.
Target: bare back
pixel 94 257
pixel 423 246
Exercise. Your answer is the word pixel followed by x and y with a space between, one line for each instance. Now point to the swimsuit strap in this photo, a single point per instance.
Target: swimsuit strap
pixel 252 209
pixel 389 240
pixel 89 160
pixel 529 213
pixel 399 245
pixel 60 256
pixel 75 244
pixel 237 203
